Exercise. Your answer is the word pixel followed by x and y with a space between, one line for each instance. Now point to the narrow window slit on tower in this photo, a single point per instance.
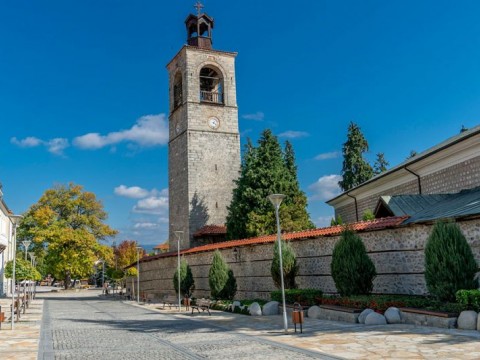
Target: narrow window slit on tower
pixel 216 167
pixel 216 204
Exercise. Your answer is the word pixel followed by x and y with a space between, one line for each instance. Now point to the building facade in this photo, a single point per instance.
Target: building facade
pixel 204 141
pixel 448 167
pixel 6 245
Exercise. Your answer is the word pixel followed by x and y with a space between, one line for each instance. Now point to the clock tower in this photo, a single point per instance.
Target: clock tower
pixel 204 143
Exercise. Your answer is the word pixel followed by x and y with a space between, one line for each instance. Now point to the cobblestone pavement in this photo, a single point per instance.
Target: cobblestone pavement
pixel 22 342
pixel 93 328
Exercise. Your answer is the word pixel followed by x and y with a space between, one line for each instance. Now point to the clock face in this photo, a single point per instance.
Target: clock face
pixel 213 122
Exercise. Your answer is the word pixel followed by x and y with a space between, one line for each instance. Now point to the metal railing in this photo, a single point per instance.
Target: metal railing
pixel 212 97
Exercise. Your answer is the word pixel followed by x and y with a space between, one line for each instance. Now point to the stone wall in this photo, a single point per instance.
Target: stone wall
pixel 397 254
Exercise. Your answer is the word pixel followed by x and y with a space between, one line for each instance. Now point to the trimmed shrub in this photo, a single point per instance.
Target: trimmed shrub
pixel 218 275
pixel 306 297
pixel 368 215
pixel 352 270
pixel 230 289
pixel 470 299
pixel 449 262
pixel 187 283
pixel 289 262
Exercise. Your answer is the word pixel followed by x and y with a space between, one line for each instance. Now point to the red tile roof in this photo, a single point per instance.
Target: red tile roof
pixel 376 224
pixel 211 230
pixel 163 246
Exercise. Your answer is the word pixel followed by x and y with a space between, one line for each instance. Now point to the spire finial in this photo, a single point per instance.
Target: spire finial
pixel 199 7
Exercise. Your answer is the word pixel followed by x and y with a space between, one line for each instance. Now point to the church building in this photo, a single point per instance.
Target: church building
pixel 204 141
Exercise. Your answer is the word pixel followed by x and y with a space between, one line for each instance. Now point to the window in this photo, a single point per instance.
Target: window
pixel 177 91
pixel 211 86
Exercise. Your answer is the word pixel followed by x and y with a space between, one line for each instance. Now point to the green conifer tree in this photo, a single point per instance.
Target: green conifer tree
pixel 381 164
pixel 352 270
pixel 289 262
pixel 449 262
pixel 265 170
pixel 218 275
pixel 356 169
pixel 187 283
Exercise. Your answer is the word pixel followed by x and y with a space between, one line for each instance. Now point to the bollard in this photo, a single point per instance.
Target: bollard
pixel 297 316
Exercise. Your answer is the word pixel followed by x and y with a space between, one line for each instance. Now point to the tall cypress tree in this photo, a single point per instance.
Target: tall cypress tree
pixel 380 164
pixel 356 169
pixel 265 170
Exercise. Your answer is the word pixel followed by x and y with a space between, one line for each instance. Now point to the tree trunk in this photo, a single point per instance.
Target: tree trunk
pixel 67 280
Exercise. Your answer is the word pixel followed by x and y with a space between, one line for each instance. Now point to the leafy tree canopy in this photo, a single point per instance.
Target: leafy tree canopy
pixel 266 169
pixel 69 223
pixel 356 168
pixel 23 270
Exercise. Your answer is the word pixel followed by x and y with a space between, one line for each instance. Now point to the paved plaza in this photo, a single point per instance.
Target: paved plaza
pixel 86 325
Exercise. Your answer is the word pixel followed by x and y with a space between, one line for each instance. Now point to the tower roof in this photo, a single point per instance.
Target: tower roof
pixel 199 28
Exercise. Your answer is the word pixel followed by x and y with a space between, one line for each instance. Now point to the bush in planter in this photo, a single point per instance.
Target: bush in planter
pixel 289 264
pixel 470 299
pixel 449 262
pixel 307 297
pixel 187 283
pixel 352 270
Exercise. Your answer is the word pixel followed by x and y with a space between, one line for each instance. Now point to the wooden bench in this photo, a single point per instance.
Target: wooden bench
pixel 170 300
pixel 16 309
pixel 202 304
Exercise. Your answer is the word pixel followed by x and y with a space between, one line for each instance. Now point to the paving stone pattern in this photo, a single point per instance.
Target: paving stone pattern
pixel 92 328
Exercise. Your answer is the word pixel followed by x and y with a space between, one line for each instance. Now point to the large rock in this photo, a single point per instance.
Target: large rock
pixel 314 312
pixel 270 308
pixel 255 309
pixel 236 304
pixel 467 320
pixel 375 319
pixel 392 314
pixel 363 315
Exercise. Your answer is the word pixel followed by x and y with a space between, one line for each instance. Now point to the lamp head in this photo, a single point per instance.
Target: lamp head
pixel 276 199
pixel 15 219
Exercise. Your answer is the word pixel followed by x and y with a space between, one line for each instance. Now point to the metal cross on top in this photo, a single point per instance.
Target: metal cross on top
pixel 199 7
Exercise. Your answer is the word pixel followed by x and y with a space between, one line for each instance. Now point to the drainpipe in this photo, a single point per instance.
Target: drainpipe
pixel 418 179
pixel 356 207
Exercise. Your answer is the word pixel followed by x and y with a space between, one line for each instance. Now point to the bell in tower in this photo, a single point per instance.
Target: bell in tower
pixel 199 28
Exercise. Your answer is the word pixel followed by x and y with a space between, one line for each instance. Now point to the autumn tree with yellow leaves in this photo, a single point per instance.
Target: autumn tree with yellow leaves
pixel 68 223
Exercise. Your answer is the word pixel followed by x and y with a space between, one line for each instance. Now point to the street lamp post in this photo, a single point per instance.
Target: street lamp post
pixel 33 283
pixel 138 274
pixel 276 200
pixel 26 244
pixel 15 219
pixel 179 235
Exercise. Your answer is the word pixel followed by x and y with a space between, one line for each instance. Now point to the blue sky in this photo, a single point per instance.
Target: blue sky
pixel 84 90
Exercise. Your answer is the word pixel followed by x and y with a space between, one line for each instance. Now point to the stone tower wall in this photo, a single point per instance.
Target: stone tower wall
pixel 203 162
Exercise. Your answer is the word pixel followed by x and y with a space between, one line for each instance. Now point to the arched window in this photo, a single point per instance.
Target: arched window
pixel 211 86
pixel 177 91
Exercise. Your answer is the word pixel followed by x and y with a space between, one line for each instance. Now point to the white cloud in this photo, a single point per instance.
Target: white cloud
pixel 57 145
pixel 145 225
pixel 54 146
pixel 328 155
pixel 258 116
pixel 134 192
pixel 152 205
pixel 29 141
pixel 326 187
pixel 290 134
pixel 149 130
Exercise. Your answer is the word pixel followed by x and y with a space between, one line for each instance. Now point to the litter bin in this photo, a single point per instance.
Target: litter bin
pixel 297 316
